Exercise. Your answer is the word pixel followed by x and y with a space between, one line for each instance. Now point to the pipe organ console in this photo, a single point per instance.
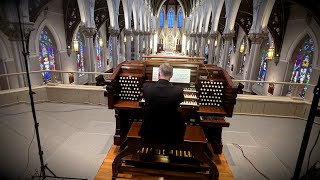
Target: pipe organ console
pixel 209 96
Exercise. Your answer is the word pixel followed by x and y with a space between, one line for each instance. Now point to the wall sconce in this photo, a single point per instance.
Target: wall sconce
pixel 242 48
pixel 208 41
pixel 131 38
pixel 270 53
pixel 69 51
pixel 125 39
pixel 215 43
pixel 100 42
pixel 75 45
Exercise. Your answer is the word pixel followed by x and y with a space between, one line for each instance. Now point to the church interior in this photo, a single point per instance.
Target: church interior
pixel 72 72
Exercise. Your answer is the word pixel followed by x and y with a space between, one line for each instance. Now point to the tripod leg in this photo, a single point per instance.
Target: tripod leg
pixel 50 170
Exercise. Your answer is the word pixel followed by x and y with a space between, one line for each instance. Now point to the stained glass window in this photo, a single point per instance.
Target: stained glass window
pixel 229 56
pixel 303 65
pixel 180 18
pixel 170 18
pixel 263 63
pixel 80 54
pixel 161 18
pixel 98 49
pixel 47 48
pixel 110 45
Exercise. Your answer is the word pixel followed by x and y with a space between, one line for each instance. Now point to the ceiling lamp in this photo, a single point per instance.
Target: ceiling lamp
pixel 75 45
pixel 270 53
pixel 100 42
pixel 215 43
pixel 242 48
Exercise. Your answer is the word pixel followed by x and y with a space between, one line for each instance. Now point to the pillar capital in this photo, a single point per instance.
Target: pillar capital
pixel 198 35
pixel 12 30
pixel 213 35
pixel 228 36
pixel 136 33
pixel 257 38
pixel 127 32
pixel 87 31
pixel 114 32
pixel 192 35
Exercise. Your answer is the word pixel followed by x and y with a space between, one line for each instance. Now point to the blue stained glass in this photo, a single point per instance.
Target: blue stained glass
pixel 161 18
pixel 180 19
pixel 98 49
pixel 303 65
pixel 46 53
pixel 263 64
pixel 110 45
pixel 170 18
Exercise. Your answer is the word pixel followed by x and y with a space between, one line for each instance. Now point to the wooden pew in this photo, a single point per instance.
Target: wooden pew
pixel 194 142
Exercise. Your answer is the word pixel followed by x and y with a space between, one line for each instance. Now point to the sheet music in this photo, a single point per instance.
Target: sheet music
pixel 179 75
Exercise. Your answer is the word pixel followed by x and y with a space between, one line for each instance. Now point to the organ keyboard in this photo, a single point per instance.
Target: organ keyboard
pixel 210 92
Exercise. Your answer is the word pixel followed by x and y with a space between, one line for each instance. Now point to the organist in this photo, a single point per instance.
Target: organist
pixel 162 121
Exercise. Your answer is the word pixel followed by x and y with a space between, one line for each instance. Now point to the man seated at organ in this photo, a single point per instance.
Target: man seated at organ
pixel 162 121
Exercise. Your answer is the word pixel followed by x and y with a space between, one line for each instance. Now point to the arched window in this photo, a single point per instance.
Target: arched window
pixel 80 54
pixel 110 47
pixel 303 64
pixel 263 64
pixel 98 49
pixel 170 18
pixel 180 18
pixel 161 18
pixel 47 49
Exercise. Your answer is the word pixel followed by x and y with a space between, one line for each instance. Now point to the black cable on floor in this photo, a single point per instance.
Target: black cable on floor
pixel 314 145
pixel 25 169
pixel 239 147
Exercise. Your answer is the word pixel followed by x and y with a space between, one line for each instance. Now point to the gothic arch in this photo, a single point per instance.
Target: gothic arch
pixel 163 1
pixel 43 24
pixel 308 31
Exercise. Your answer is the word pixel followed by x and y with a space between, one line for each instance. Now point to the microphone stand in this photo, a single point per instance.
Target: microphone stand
pixel 25 53
pixel 307 131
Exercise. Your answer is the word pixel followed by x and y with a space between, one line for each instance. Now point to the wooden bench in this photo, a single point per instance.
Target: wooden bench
pixel 194 141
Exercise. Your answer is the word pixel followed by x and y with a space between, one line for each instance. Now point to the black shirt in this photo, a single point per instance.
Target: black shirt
pixel 162 120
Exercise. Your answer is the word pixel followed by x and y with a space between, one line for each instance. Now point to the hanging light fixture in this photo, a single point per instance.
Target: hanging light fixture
pixel 208 41
pixel 131 38
pixel 270 53
pixel 242 47
pixel 75 45
pixel 125 39
pixel 215 43
pixel 100 42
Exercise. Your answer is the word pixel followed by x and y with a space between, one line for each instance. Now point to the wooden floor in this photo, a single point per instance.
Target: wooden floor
pixel 105 171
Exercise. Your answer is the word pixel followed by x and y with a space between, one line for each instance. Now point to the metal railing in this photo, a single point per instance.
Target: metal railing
pixel 296 88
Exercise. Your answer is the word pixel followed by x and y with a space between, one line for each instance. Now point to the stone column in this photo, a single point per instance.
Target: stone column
pixel 136 44
pixel 148 43
pixel 89 53
pixel 12 30
pixel 128 33
pixel 204 41
pixel 192 44
pixel 251 70
pixel 212 37
pixel 198 44
pixel 227 44
pixel 152 43
pixel 141 37
pixel 114 34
